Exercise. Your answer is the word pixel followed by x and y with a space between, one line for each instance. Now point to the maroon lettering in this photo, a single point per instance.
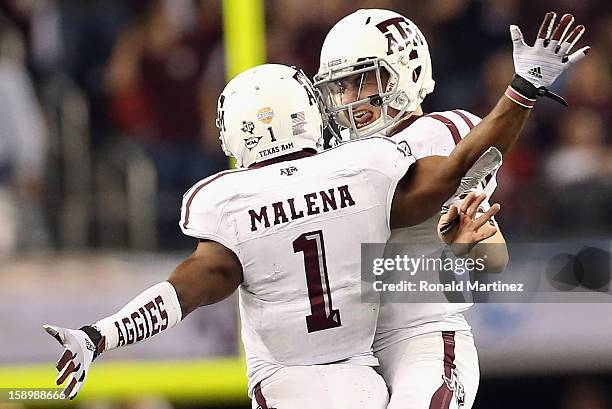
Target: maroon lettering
pixel 315 203
pixel 120 332
pixel 311 207
pixel 279 213
pixel 146 321
pixel 150 307
pixel 328 201
pixel 129 330
pixel 139 326
pixel 294 215
pixel 162 312
pixel 345 197
pixel 322 314
pixel 383 26
pixel 261 217
pixel 392 41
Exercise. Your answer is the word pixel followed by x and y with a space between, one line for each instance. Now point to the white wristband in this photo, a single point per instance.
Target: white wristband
pixel 153 311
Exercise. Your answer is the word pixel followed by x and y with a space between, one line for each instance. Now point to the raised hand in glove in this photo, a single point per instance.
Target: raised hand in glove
pixel 538 66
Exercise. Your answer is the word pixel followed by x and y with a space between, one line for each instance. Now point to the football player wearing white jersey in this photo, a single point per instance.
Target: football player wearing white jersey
pixel 375 71
pixel 284 230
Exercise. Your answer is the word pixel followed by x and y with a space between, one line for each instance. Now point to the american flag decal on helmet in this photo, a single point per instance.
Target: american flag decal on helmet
pixel 298 117
pixel 298 120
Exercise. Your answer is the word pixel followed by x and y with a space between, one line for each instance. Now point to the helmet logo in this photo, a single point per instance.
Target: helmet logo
pixel 248 127
pixel 265 115
pixel 402 26
pixel 252 141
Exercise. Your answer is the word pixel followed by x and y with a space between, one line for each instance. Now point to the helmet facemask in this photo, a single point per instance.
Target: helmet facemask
pixel 335 81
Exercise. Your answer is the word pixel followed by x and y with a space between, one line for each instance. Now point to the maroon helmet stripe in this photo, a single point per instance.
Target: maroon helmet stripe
pixel 449 124
pixel 197 189
pixel 442 398
pixel 463 116
pixel 259 398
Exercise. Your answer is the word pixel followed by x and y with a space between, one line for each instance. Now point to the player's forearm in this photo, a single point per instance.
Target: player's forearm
pixel 199 280
pixel 493 252
pixel 153 311
pixel 500 128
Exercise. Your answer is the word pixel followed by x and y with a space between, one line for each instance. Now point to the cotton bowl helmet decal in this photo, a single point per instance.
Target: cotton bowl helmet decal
pixel 375 41
pixel 269 111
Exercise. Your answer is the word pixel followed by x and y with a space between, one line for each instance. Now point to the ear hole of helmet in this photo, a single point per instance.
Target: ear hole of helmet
pixel 416 73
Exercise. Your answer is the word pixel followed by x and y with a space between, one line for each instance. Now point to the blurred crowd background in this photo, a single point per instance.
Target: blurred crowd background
pixel 108 111
pixel 107 116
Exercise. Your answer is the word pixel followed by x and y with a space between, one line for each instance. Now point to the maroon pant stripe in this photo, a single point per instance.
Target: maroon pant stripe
pixel 259 398
pixel 449 124
pixel 463 116
pixel 449 352
pixel 442 398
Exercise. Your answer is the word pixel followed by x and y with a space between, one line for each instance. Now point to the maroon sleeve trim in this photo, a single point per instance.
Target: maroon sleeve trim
pixel 197 190
pixel 463 116
pixel 449 124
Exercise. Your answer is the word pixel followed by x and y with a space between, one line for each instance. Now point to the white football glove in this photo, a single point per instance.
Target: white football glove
pixel 550 55
pixel 79 351
pixel 487 164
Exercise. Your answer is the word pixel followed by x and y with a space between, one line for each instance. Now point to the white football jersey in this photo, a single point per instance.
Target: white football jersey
pixel 297 227
pixel 432 134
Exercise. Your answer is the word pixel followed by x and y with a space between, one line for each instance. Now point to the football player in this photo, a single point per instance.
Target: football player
pixel 284 229
pixel 375 71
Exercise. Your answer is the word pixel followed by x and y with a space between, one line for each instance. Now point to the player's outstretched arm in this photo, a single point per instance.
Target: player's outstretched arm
pixel 209 275
pixel 431 180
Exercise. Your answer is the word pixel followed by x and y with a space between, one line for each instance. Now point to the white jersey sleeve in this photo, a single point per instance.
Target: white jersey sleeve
pixel 437 134
pixel 390 159
pixel 202 212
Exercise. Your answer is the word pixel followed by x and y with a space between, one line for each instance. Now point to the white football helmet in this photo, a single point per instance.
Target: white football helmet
pixel 373 40
pixel 269 111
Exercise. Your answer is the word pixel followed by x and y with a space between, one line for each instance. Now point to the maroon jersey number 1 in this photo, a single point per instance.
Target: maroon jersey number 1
pixel 322 314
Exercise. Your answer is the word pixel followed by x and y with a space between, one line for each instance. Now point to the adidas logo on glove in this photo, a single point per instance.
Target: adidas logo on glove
pixel 536 72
